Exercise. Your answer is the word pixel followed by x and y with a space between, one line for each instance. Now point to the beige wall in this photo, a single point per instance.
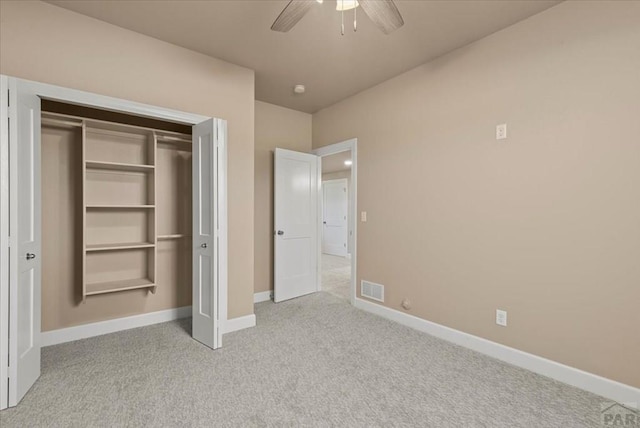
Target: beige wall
pixel 275 127
pixel 336 175
pixel 42 42
pixel 546 224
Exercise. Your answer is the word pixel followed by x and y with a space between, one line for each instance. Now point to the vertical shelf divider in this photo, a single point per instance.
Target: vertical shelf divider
pixel 153 223
pixel 84 210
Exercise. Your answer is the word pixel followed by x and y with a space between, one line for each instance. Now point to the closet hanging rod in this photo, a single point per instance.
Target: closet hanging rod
pixel 175 236
pixel 172 139
pixel 60 122
pixel 89 121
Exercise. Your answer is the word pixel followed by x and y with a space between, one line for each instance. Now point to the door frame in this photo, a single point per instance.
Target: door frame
pixel 88 99
pixel 4 242
pixel 350 145
pixel 345 183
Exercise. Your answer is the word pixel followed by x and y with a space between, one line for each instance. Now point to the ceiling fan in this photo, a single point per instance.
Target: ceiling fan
pixel 383 13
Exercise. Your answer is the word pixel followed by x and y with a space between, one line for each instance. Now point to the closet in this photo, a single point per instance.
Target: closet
pixel 116 215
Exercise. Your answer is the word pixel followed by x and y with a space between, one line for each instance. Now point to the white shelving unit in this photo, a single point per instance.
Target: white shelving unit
pixel 118 194
pixel 120 203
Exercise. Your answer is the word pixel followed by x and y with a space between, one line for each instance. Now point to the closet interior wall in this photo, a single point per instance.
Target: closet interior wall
pixel 116 214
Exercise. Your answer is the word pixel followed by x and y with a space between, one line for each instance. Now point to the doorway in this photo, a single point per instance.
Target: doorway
pixel 335 264
pixel 298 223
pixel 337 219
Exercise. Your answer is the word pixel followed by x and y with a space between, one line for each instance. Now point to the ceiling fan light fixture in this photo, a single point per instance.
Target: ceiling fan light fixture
pixel 342 5
pixel 383 13
pixel 348 162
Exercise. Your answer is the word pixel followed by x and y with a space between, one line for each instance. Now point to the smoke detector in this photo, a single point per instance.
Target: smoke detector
pixel 299 89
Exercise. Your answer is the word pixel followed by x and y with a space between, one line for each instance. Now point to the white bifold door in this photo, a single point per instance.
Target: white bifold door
pixel 296 212
pixel 21 234
pixel 207 188
pixel 25 258
pixel 335 207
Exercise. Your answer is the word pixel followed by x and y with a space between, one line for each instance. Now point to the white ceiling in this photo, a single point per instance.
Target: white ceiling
pixel 313 53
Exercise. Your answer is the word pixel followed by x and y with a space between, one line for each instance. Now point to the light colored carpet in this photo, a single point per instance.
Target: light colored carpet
pixel 311 361
pixel 336 275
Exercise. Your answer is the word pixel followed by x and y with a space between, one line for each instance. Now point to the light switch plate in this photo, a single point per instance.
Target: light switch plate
pixel 501 317
pixel 363 216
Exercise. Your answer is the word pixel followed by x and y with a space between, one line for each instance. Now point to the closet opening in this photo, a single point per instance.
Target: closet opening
pixel 116 215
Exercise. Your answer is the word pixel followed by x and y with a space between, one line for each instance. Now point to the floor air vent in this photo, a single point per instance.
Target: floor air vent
pixel 372 290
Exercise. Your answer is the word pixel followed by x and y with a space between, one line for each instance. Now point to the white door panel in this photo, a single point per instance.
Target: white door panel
pixel 205 234
pixel 296 197
pixel 25 256
pixel 335 206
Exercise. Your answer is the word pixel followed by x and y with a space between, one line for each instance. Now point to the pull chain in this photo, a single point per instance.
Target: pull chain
pixel 355 19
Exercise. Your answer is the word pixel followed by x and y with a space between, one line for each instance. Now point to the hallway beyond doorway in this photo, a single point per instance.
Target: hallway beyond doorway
pixel 336 275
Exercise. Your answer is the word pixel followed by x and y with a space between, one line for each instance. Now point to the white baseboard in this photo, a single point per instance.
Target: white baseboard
pixel 604 387
pixel 84 331
pixel 262 296
pixel 235 324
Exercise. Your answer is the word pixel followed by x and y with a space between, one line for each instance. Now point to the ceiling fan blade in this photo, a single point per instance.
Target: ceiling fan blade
pixel 291 14
pixel 383 13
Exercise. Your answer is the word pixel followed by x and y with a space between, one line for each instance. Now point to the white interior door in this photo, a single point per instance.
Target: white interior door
pixel 206 227
pixel 25 260
pixel 335 206
pixel 296 198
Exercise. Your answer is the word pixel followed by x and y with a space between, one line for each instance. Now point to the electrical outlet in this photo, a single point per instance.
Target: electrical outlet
pixel 501 131
pixel 501 317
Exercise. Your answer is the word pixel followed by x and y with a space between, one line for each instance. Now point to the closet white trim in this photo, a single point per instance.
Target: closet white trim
pixel 239 323
pixel 87 99
pixel 263 296
pixel 84 331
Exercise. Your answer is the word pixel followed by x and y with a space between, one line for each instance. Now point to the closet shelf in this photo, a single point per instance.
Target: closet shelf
pixel 114 286
pixel 119 246
pixel 120 206
pixel 174 236
pixel 117 166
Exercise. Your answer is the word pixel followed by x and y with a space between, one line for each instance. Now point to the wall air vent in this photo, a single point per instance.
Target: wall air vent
pixel 372 291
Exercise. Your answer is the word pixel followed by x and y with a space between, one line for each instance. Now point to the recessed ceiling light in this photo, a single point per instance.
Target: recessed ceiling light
pixel 299 89
pixel 348 162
